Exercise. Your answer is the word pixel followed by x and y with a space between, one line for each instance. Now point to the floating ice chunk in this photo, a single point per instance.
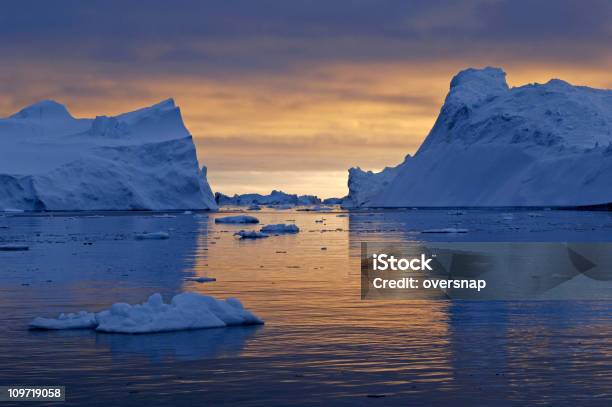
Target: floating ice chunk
pixel 316 208
pixel 237 219
pixel 152 236
pixel 254 207
pixel 250 234
pixel 165 215
pixel 456 213
pixel 201 279
pixel 81 320
pixel 13 248
pixel 200 216
pixel 12 210
pixel 186 311
pixel 445 230
pixel 187 213
pixel 534 215
pixel 280 228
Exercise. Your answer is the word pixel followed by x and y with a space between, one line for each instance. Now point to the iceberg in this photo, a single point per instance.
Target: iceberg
pixel 333 201
pixel 141 160
pixel 250 234
pixel 237 219
pixel 273 199
pixel 280 228
pixel 364 186
pixel 186 311
pixel 152 236
pixel 540 145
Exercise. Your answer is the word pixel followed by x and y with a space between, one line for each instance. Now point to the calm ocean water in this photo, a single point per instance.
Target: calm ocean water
pixel 321 344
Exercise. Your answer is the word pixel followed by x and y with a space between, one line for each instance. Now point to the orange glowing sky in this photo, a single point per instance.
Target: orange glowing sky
pixel 290 97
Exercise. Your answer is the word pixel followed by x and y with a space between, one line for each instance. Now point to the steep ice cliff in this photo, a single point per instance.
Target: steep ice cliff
pixel 534 145
pixel 144 159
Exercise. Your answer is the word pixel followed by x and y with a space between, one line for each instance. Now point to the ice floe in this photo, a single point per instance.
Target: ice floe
pixel 13 248
pixel 280 228
pixel 237 219
pixel 446 230
pixel 185 311
pixel 152 236
pixel 250 234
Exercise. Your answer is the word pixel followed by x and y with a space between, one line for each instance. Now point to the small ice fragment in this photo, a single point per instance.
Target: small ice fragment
pixel 456 213
pixel 445 230
pixel 250 234
pixel 152 236
pixel 12 210
pixel 187 213
pixel 201 279
pixel 165 215
pixel 280 228
pixel 237 219
pixel 13 248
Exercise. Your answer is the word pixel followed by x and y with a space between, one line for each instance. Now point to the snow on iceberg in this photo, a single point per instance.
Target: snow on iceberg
pixel 145 159
pixel 186 311
pixel 238 219
pixel 534 145
pixel 279 228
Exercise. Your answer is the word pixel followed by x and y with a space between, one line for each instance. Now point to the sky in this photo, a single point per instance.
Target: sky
pixel 288 95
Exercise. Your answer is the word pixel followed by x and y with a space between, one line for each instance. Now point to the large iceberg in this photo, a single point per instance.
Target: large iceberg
pixel 145 159
pixel 534 145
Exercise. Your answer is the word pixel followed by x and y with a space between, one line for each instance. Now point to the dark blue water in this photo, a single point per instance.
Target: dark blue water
pixel 321 344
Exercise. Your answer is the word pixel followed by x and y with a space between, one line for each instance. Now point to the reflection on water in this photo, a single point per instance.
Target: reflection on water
pixel 320 340
pixel 183 345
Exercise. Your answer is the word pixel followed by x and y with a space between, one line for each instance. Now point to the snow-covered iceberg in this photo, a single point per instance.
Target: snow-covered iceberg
pixel 364 186
pixel 145 159
pixel 185 311
pixel 534 145
pixel 274 198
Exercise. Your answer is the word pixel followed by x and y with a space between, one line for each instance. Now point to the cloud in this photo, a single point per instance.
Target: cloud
pixel 291 86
